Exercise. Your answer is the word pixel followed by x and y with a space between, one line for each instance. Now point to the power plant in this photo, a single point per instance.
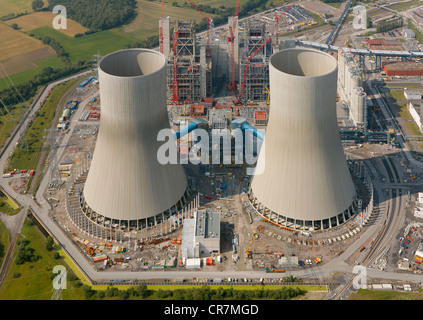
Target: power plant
pixel 126 186
pixel 306 183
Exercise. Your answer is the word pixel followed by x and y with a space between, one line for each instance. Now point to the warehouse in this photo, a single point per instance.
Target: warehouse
pixel 404 68
pixel 201 235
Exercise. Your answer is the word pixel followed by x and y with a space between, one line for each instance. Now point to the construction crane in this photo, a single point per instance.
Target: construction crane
pixel 277 23
pixel 248 252
pixel 317 260
pixel 238 101
pixel 231 39
pixel 161 28
pixel 209 21
pixel 266 90
pixel 175 86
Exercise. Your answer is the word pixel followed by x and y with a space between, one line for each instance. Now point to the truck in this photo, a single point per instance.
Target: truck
pixel 362 248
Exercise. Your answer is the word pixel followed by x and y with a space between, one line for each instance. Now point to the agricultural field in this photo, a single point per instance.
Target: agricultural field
pixel 45 18
pixel 14 43
pixel 15 6
pixel 146 23
pixel 83 48
pixel 363 294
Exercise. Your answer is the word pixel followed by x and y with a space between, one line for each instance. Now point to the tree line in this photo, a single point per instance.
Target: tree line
pixel 389 25
pixel 190 293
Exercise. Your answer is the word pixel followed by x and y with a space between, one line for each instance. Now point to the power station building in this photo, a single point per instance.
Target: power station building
pixel 306 183
pixel 126 187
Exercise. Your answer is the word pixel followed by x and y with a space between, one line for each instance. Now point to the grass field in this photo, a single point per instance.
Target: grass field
pixel 146 23
pixel 83 48
pixel 4 241
pixel 21 77
pixel 33 280
pixel 363 294
pixel 15 6
pixel 45 18
pixel 23 158
pixel 7 206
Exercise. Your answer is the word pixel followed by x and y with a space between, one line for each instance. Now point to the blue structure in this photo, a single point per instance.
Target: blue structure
pixel 85 82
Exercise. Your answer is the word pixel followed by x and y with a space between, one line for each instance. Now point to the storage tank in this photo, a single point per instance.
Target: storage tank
pixel 306 183
pixel 126 183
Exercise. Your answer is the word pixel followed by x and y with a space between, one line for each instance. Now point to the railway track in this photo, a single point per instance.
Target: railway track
pixel 390 223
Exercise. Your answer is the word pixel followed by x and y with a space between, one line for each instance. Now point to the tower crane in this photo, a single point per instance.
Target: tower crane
pixel 277 23
pixel 161 28
pixel 175 86
pixel 231 39
pixel 209 21
pixel 246 69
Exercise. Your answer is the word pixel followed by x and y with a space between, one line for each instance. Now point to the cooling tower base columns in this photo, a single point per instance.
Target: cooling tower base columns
pixel 306 225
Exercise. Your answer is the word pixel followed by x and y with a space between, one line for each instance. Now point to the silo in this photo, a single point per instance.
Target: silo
pixel 306 183
pixel 126 185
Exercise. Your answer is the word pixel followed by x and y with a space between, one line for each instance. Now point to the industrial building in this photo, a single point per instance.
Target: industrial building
pixel 350 89
pixel 126 187
pixel 305 183
pixel 201 235
pixel 189 70
pixel 403 68
pixel 254 62
pixel 415 108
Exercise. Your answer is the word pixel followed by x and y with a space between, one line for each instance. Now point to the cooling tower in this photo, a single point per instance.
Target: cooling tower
pixel 306 183
pixel 125 180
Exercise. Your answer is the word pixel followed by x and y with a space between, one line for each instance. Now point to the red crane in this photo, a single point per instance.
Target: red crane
pixel 246 70
pixel 231 39
pixel 175 86
pixel 208 23
pixel 161 28
pixel 277 23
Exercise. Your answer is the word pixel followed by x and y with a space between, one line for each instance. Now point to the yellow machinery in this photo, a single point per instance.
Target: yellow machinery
pixel 268 94
pixel 248 252
pixel 317 260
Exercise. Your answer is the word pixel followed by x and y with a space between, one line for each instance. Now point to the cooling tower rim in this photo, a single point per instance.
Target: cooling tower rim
pixel 141 50
pixel 330 59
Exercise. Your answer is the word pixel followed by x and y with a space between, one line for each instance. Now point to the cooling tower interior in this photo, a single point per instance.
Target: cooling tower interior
pixel 306 183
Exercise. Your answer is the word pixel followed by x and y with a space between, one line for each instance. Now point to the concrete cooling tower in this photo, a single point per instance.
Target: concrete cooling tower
pixel 126 185
pixel 306 183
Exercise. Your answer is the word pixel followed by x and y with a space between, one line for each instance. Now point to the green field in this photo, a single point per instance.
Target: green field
pixel 33 280
pixel 364 294
pixel 4 241
pixel 18 78
pixel 83 48
pixel 23 158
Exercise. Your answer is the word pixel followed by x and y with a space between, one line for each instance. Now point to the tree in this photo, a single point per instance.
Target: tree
pixel 15 26
pixel 37 5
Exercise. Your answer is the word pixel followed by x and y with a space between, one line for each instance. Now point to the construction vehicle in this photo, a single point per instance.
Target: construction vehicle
pixel 90 251
pixel 317 260
pixel 362 248
pixel 248 252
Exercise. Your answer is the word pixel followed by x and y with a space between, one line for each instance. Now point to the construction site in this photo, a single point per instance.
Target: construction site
pixel 215 214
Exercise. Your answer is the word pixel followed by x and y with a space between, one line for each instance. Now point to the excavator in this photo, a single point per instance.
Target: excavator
pixel 248 252
pixel 317 260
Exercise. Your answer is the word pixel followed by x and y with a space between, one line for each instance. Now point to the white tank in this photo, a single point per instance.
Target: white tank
pixel 306 182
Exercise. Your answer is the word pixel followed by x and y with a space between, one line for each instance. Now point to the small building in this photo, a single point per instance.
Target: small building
pixel 408 33
pixel 201 235
pixel 416 110
pixel 412 94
